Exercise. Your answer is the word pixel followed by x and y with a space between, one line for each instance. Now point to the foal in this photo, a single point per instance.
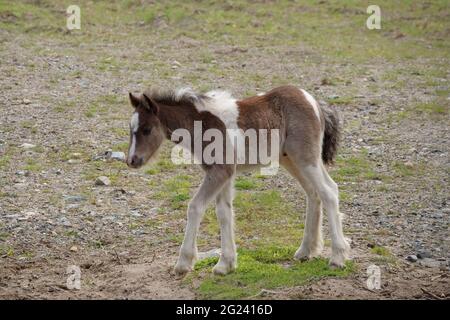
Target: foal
pixel 308 139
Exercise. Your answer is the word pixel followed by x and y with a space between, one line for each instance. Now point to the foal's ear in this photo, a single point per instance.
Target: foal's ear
pixel 150 104
pixel 135 101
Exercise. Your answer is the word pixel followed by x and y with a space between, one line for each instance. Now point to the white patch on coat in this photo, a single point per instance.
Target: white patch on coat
pixel 312 102
pixel 134 123
pixel 134 126
pixel 186 93
pixel 223 106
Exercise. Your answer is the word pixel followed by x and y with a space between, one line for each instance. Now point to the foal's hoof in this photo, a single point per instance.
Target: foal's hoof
pixel 337 264
pixel 302 256
pixel 305 255
pixel 181 269
pixel 221 269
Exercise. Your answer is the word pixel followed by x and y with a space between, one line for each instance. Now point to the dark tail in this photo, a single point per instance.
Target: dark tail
pixel 332 134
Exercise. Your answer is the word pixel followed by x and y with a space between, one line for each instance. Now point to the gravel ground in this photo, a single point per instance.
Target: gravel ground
pixel 63 105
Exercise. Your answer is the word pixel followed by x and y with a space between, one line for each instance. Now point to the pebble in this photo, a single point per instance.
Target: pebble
pixel 26 101
pixel 409 164
pixel 64 221
pixel 115 155
pixel 102 181
pixel 23 173
pixel 76 198
pixel 74 248
pixel 411 258
pixel 27 146
pixel 213 253
pixel 430 263
pixel 424 254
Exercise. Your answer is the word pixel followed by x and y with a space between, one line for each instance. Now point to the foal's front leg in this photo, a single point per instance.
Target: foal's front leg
pixel 212 184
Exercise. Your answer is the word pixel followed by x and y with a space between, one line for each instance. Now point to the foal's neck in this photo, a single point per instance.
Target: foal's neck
pixel 177 116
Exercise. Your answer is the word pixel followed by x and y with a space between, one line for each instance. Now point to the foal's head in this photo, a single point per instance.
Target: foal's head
pixel 146 131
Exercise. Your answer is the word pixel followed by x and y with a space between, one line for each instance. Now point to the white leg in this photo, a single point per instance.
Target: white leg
pixel 225 216
pixel 211 186
pixel 312 243
pixel 328 193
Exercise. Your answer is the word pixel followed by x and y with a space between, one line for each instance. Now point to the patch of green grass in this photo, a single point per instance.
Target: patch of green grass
pixel 163 165
pixel 72 234
pixel 4 161
pixel 435 107
pixel 148 15
pixel 108 64
pixel 381 251
pixel 408 170
pixel 101 106
pixel 355 167
pixel 265 217
pixel 121 146
pixel 6 250
pixel 32 165
pixel 264 268
pixel 340 100
pixel 26 124
pixel 176 191
pixel 27 17
pixel 242 183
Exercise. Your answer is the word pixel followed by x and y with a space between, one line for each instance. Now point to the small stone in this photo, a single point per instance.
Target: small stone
pixel 424 254
pixel 102 181
pixel 409 164
pixel 411 258
pixel 74 248
pixel 64 221
pixel 430 263
pixel 26 101
pixel 74 199
pixel 27 146
pixel 213 253
pixel 115 155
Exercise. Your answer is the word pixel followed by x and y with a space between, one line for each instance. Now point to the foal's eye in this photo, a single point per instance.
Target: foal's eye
pixel 146 131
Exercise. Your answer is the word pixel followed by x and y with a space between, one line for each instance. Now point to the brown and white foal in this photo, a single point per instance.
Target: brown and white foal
pixel 308 138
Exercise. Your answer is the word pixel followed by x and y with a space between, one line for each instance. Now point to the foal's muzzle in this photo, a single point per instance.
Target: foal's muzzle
pixel 135 161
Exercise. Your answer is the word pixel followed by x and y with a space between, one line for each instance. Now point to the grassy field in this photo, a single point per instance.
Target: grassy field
pixel 66 92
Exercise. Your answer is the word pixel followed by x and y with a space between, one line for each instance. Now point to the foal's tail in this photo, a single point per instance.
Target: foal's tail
pixel 332 134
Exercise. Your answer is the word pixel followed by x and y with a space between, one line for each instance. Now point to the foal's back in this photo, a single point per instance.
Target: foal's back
pixel 281 108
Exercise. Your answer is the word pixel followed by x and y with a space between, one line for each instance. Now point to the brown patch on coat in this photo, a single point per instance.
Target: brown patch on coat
pixel 287 109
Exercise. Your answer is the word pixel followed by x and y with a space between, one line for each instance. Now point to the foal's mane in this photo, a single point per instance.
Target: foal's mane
pixel 173 97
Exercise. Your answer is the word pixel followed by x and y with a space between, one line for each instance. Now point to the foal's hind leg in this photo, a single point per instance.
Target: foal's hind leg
pixel 312 243
pixel 328 192
pixel 224 210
